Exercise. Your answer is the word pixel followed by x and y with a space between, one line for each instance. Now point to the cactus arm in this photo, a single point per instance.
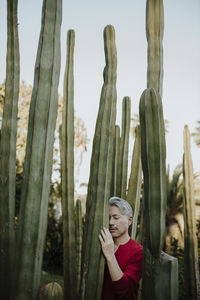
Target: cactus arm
pixel 135 181
pixel 38 161
pixel 191 274
pixel 67 161
pixel 154 33
pixel 99 187
pixel 8 151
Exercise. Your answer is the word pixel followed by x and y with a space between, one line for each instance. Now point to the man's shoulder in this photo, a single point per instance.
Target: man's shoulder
pixel 135 244
pixel 135 247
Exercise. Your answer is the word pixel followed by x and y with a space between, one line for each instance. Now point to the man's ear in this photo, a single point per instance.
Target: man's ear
pixel 130 220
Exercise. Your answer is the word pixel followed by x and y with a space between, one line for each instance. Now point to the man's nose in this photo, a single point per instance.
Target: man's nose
pixel 111 221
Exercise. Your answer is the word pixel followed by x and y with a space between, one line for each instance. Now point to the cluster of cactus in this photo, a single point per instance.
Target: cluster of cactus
pixel 24 270
pixel 83 259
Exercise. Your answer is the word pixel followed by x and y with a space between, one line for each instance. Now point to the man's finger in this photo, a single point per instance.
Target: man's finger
pixel 103 234
pixel 100 238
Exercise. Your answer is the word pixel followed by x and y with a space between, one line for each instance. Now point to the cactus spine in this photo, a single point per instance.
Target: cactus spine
pixel 99 187
pixel 154 33
pixel 67 161
pixel 135 181
pixel 191 267
pixel 8 151
pixel 122 166
pixel 39 150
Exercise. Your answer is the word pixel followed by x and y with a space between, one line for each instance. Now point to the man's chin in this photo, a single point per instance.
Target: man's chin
pixel 114 233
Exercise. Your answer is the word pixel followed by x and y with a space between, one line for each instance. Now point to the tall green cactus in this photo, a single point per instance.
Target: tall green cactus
pixel 99 187
pixel 135 181
pixel 67 169
pixel 160 271
pixel 122 166
pixel 154 33
pixel 39 152
pixel 8 152
pixel 191 261
pixel 153 153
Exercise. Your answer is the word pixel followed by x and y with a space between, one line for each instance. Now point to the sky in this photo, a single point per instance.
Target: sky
pixel 181 55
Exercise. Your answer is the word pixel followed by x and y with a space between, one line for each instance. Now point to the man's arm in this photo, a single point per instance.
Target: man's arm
pixel 108 249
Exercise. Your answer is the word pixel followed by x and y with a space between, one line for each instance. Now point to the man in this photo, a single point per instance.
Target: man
pixel 123 255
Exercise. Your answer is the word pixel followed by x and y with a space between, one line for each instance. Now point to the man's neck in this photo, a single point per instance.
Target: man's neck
pixel 121 240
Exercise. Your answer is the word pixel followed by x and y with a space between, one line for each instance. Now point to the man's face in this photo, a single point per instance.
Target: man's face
pixel 118 222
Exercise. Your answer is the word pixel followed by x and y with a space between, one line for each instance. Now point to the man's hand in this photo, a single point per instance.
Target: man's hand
pixel 107 243
pixel 108 249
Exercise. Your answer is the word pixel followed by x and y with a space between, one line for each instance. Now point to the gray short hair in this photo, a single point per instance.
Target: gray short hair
pixel 123 205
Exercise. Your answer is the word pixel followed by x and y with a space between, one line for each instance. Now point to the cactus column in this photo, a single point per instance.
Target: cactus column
pixel 154 33
pixel 39 152
pixel 122 166
pixel 79 241
pixel 99 187
pixel 135 181
pixel 160 271
pixel 191 262
pixel 67 169
pixel 8 152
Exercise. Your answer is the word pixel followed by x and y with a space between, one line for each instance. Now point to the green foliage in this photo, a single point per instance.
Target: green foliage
pixel 197 134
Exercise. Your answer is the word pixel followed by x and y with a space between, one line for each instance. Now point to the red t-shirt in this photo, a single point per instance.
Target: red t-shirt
pixel 129 258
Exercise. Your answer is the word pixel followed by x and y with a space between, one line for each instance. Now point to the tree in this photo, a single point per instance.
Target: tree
pixel 197 134
pixel 80 139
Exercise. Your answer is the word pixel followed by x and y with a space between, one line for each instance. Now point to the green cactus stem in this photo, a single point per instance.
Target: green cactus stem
pixel 67 169
pixel 160 271
pixel 122 167
pixel 160 277
pixel 99 187
pixel 135 181
pixel 8 152
pixel 79 235
pixel 115 160
pixel 154 33
pixel 191 261
pixel 39 152
pixel 153 154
